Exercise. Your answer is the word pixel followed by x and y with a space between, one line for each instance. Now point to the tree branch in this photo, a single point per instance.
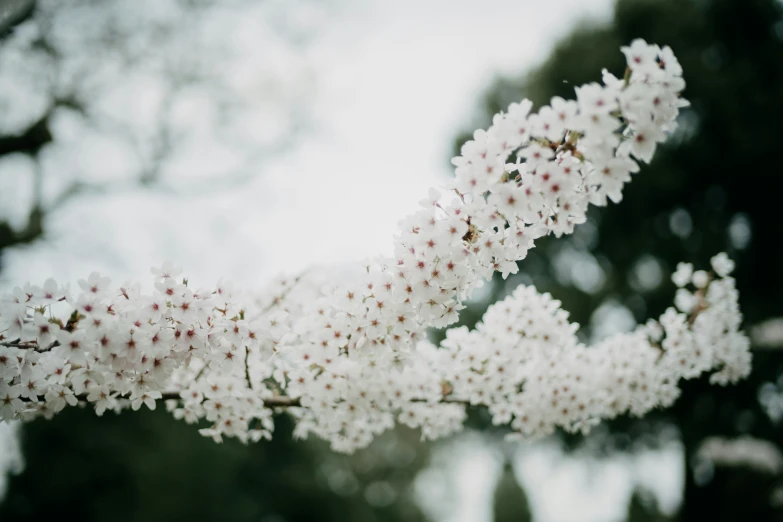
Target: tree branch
pixel 275 401
pixel 26 345
pixel 13 13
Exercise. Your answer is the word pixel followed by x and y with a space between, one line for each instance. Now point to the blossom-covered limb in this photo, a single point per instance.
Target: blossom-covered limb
pixel 347 354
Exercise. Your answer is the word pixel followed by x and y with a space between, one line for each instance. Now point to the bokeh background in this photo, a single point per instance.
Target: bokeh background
pixel 243 138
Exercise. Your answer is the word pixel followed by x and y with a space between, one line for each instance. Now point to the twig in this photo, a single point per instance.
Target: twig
pixel 28 345
pixel 275 401
pixel 247 369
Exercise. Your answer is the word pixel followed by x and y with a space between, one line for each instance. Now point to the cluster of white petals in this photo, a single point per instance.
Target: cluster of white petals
pixel 348 357
pixel 526 364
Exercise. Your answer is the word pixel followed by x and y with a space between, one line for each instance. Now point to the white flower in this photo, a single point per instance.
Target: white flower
pixel 72 346
pixel 685 301
pixel 144 397
pixel 95 284
pixel 682 276
pixel 44 330
pixel 535 155
pixel 58 396
pixel 670 62
pixel 594 99
pixel 643 141
pixel 12 317
pixel 166 271
pixel 348 352
pixel 10 403
pixel 510 200
pixel 47 294
pixel 700 279
pixel 101 397
pixel 722 265
pixel 640 55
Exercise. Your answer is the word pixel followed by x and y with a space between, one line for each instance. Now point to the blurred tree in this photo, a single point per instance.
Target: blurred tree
pixel 100 96
pixel 510 502
pixel 13 12
pixel 715 187
pixel 146 466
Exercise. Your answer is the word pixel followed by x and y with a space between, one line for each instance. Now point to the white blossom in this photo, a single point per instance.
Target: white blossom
pixel 347 356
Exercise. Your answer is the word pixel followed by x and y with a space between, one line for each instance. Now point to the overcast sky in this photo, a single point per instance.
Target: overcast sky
pixel 394 83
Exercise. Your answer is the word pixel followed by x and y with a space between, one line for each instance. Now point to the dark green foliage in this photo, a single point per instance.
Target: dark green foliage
pixel 510 500
pixel 147 466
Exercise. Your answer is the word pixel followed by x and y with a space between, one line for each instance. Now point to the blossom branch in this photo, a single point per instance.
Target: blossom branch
pixel 346 354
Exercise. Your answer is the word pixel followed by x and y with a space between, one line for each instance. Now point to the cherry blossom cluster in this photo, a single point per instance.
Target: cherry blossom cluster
pixel 525 363
pixel 347 354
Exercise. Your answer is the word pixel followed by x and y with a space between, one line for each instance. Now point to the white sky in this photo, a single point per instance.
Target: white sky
pixel 396 82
